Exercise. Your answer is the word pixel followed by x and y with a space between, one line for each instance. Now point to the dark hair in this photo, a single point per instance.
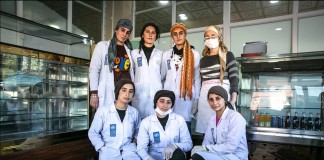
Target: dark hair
pixel 157 31
pixel 120 85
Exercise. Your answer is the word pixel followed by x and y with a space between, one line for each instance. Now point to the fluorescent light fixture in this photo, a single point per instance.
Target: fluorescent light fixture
pixel 54 26
pixel 278 29
pixel 277 68
pixel 184 18
pixel 182 15
pixel 84 35
pixel 164 2
pixel 274 2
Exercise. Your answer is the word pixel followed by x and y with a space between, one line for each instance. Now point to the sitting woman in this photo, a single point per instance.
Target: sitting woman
pixel 164 134
pixel 225 137
pixel 114 129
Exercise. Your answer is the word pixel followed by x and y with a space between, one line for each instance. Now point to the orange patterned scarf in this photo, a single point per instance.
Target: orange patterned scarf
pixel 187 71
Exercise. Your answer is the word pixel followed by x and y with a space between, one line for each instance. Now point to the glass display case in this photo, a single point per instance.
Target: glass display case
pixel 41 93
pixel 282 97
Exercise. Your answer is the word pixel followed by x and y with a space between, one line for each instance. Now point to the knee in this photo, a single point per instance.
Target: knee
pixel 197 157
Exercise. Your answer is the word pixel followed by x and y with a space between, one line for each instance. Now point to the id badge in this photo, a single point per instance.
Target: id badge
pixel 112 130
pixel 139 61
pixel 156 136
pixel 106 59
pixel 169 64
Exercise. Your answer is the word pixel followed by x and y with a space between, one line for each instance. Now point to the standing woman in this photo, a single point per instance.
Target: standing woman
pixel 218 67
pixel 147 66
pixel 114 129
pixel 225 136
pixel 180 69
pixel 110 62
pixel 163 135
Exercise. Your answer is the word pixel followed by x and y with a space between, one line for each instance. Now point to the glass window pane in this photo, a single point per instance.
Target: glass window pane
pixel 251 10
pixel 305 6
pixel 8 6
pixel 161 16
pixel 87 19
pixel 310 34
pixel 51 13
pixel 196 14
pixel 279 41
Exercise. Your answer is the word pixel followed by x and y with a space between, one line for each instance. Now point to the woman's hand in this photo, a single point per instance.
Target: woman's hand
pixel 94 101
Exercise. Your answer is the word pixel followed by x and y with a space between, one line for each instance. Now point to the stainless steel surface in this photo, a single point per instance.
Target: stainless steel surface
pixel 288 136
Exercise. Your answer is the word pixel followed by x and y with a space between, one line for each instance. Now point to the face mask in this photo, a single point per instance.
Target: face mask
pixel 212 43
pixel 163 113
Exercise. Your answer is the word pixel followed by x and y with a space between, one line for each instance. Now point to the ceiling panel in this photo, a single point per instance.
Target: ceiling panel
pixel 276 10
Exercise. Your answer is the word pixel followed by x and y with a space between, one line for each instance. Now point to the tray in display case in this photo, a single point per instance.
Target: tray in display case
pixel 41 95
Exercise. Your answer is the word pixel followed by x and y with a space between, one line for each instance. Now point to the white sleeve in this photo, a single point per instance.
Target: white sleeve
pixel 236 131
pixel 164 66
pixel 94 132
pixel 143 140
pixel 185 138
pixel 95 66
pixel 137 124
pixel 208 139
pixel 197 79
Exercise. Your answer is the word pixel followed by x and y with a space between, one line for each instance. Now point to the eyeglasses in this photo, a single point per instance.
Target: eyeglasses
pixel 211 37
pixel 218 98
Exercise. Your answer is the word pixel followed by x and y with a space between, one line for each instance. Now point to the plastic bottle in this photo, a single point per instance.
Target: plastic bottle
pixel 310 122
pixel 267 120
pixel 288 121
pixel 261 120
pixel 256 119
pixel 303 121
pixel 318 122
pixel 296 121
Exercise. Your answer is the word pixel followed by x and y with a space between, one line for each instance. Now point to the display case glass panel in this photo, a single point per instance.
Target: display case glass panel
pixel 41 95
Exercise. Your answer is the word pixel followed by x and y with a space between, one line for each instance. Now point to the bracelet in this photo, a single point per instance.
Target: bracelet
pixel 94 95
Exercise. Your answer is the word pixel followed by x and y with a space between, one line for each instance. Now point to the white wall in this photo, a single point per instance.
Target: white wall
pixel 311 34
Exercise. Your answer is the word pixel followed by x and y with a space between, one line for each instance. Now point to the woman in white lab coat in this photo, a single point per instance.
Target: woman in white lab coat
pixel 147 67
pixel 110 62
pixel 225 137
pixel 164 134
pixel 114 129
pixel 182 75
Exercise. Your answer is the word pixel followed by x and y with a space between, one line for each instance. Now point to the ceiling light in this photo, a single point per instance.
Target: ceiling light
pixel 84 35
pixel 182 15
pixel 164 2
pixel 276 68
pixel 54 26
pixel 278 29
pixel 184 18
pixel 274 2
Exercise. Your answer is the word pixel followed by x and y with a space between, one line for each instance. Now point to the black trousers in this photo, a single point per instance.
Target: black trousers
pixel 197 157
pixel 178 154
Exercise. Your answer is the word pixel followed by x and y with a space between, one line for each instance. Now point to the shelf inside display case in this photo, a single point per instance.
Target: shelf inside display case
pixel 22 25
pixel 41 95
pixel 282 96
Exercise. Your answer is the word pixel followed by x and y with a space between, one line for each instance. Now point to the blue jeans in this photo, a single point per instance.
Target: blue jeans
pixel 189 126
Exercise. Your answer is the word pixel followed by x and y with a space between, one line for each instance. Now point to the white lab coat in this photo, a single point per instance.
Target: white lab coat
pixel 100 76
pixel 204 111
pixel 110 144
pixel 227 139
pixel 176 132
pixel 172 82
pixel 147 80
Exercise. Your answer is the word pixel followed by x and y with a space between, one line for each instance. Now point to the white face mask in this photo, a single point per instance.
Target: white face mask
pixel 163 113
pixel 212 43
